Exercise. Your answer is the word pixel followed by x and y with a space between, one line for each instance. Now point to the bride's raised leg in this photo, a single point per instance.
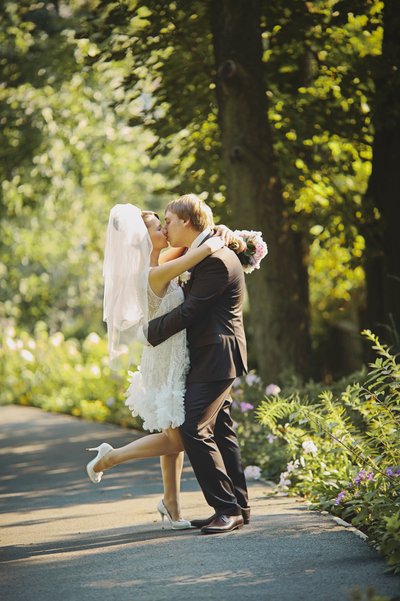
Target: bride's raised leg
pixel 151 445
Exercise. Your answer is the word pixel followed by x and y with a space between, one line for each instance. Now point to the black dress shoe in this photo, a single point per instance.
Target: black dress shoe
pixel 205 522
pixel 223 523
pixel 202 523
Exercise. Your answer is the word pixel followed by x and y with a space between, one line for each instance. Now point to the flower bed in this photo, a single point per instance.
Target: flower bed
pixel 64 376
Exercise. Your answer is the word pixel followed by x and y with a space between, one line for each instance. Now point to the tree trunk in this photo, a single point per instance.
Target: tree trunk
pixel 278 293
pixel 382 237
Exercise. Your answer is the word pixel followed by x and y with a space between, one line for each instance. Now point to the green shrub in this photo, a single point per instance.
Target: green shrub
pixel 345 450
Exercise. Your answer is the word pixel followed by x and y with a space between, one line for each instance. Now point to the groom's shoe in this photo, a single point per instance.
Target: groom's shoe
pixel 223 523
pixel 206 522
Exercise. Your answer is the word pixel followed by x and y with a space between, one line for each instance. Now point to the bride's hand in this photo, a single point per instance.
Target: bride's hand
pixel 224 233
pixel 214 243
pixel 229 238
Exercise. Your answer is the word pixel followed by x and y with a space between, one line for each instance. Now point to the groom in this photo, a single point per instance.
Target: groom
pixel 212 316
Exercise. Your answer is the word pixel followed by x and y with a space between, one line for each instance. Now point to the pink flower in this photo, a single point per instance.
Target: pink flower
pixel 256 249
pixel 246 407
pixel 272 389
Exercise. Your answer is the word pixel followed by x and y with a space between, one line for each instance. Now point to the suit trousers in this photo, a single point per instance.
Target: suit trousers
pixel 212 447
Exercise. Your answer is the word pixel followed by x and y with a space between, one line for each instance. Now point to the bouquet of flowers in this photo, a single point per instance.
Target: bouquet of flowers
pixel 250 248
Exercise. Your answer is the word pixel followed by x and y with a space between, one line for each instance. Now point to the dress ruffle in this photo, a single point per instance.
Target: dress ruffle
pixel 156 392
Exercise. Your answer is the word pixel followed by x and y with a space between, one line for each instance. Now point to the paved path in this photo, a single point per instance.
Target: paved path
pixel 64 538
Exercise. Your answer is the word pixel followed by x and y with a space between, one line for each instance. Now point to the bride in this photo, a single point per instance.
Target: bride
pixel 141 283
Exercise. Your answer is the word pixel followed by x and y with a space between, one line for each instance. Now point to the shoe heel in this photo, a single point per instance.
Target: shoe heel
pixel 162 520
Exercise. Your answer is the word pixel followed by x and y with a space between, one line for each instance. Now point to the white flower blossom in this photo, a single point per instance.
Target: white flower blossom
pixel 252 379
pixel 56 339
pixel 11 344
pixel 271 438
pixel 252 472
pixel 27 355
pixel 292 465
pixel 284 481
pixel 93 338
pixel 236 383
pixel 309 447
pixel 185 277
pixel 95 370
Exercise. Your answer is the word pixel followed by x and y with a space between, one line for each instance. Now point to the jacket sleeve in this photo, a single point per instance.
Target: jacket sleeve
pixel 210 279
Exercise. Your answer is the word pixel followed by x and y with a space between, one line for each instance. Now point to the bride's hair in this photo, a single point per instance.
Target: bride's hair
pixel 190 206
pixel 144 214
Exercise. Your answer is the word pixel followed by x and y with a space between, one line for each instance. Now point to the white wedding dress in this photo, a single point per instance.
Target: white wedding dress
pixel 157 389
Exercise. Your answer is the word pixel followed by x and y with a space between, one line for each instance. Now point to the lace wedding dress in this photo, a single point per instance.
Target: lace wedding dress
pixel 157 389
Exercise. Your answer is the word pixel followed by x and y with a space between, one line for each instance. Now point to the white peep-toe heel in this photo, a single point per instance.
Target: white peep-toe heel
pixel 102 450
pixel 180 524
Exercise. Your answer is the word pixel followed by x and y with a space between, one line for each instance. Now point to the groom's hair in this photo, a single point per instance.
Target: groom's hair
pixel 191 207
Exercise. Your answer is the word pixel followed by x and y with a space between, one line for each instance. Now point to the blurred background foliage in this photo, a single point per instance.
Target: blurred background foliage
pixel 106 102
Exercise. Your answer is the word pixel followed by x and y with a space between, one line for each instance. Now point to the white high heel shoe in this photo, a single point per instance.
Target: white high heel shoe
pixel 180 524
pixel 102 450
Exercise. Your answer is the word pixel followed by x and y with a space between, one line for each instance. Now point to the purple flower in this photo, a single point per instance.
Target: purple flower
pixel 392 471
pixel 340 497
pixel 246 407
pixel 362 475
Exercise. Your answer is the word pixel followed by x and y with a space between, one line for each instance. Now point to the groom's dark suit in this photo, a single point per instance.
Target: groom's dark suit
pixel 212 316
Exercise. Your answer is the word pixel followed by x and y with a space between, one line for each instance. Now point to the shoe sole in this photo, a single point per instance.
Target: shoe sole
pixel 221 531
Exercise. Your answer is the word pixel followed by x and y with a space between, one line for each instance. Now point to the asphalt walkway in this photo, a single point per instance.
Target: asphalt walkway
pixel 64 538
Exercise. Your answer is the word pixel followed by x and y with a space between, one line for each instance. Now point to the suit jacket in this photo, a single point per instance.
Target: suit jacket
pixel 212 316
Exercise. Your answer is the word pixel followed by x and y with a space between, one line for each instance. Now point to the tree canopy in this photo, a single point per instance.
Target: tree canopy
pixel 106 102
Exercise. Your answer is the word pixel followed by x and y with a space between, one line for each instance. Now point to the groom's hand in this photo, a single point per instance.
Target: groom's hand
pixel 142 334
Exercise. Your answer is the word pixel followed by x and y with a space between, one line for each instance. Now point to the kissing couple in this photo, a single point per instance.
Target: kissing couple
pixel 185 306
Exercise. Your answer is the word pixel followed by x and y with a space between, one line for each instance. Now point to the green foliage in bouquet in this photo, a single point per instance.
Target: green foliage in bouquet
pixel 345 450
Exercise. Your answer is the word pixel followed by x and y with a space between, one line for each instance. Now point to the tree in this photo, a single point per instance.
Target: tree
pixel 279 293
pixel 383 195
pixel 68 155
pixel 179 50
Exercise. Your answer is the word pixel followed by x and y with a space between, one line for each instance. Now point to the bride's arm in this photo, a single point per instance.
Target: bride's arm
pixel 160 276
pixel 171 253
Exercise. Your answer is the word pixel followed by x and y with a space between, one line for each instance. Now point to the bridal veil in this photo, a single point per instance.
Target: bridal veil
pixel 125 270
